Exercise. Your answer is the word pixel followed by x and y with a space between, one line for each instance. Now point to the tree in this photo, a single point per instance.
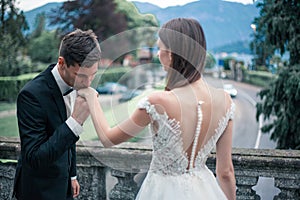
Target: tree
pixel 98 15
pixel 135 19
pixel 40 38
pixel 210 61
pixel 44 48
pixel 39 26
pixel 227 61
pixel 107 18
pixel 262 51
pixel 279 25
pixel 104 17
pixel 12 25
pixel 147 25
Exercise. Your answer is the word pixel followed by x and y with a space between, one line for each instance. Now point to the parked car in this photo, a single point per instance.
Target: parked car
pixel 230 89
pixel 111 88
pixel 130 94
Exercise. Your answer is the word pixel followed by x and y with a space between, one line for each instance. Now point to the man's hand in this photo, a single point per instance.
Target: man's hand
pixel 75 187
pixel 81 110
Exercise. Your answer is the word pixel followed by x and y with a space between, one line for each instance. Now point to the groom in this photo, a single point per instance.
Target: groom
pixel 49 127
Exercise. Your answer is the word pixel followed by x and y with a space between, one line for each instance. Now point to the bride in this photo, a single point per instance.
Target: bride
pixel 187 120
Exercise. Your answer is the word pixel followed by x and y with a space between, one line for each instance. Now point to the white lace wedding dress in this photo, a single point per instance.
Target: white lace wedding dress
pixel 172 176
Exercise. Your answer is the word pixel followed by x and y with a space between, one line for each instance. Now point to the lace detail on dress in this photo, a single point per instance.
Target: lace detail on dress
pixel 206 149
pixel 232 111
pixel 168 157
pixel 150 109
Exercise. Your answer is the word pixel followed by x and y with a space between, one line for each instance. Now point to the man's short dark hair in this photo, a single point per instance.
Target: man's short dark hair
pixel 80 47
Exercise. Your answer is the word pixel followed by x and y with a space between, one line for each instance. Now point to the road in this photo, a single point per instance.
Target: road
pixel 246 132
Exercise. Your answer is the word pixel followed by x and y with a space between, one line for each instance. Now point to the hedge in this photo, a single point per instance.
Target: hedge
pixel 11 85
pixel 111 74
pixel 259 78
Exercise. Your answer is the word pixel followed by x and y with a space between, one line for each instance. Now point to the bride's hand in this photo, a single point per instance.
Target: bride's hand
pixel 87 93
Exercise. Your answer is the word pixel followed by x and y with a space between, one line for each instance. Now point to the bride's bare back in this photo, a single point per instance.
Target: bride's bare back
pixel 197 113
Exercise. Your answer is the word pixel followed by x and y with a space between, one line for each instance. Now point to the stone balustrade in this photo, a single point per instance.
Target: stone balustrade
pixel 116 173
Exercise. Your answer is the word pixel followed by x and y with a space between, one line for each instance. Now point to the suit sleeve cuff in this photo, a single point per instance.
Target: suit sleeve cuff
pixel 76 128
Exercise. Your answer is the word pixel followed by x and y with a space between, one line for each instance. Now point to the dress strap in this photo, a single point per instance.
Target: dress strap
pixel 197 133
pixel 232 111
pixel 150 109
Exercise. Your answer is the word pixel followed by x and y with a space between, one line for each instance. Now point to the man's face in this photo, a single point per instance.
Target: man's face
pixel 79 77
pixel 85 76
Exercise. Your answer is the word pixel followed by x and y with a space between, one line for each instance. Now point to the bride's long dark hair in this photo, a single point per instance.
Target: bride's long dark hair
pixel 185 39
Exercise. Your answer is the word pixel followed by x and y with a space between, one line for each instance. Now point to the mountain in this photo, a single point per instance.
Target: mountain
pixel 146 7
pixel 225 23
pixel 241 47
pixel 31 15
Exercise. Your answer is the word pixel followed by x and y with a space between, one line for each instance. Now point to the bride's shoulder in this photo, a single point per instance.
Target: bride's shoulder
pixel 159 100
pixel 159 97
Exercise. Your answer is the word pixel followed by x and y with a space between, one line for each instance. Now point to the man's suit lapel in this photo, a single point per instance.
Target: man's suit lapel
pixel 56 94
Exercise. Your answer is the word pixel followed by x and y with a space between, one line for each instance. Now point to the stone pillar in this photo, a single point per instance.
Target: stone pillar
pixel 126 188
pixel 244 190
pixel 7 175
pixel 92 182
pixel 289 188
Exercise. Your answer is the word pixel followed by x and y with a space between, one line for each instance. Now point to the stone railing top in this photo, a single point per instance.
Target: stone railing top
pixel 135 156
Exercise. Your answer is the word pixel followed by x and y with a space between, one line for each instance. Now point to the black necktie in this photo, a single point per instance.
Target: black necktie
pixel 68 91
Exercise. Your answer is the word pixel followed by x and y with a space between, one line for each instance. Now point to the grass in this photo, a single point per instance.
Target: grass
pixel 9 126
pixel 7 106
pixel 114 115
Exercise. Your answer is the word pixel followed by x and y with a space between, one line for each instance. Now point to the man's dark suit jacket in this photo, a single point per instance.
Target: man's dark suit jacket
pixel 48 156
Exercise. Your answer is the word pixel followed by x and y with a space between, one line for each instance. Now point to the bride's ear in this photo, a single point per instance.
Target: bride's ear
pixel 170 56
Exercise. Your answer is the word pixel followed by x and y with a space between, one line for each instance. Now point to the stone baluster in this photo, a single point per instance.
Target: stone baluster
pixel 92 182
pixel 7 175
pixel 244 187
pixel 289 188
pixel 126 188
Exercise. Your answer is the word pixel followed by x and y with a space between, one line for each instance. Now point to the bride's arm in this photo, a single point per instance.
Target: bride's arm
pixel 110 136
pixel 224 166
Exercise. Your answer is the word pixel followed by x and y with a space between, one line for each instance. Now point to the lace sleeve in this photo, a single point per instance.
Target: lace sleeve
pixel 150 109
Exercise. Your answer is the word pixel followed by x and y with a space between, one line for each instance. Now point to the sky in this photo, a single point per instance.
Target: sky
pixel 26 5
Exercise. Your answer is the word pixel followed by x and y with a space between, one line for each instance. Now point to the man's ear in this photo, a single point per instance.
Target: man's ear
pixel 61 62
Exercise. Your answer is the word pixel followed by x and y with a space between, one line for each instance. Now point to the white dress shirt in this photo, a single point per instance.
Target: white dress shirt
pixel 76 128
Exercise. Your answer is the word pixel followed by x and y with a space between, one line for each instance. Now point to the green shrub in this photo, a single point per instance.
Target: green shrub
pixel 259 78
pixel 11 85
pixel 111 74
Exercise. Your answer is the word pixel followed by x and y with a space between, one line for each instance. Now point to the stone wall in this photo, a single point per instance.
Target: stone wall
pixel 116 173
